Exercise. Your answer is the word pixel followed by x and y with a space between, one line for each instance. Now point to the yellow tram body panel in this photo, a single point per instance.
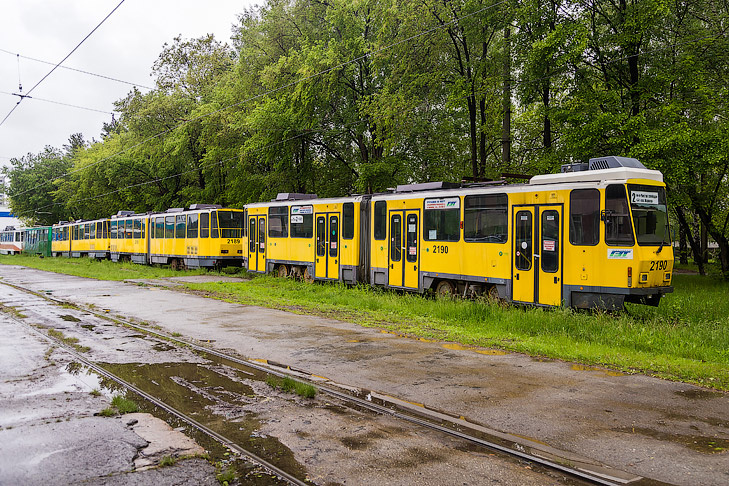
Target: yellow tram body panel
pixel 203 236
pixel 128 237
pixel 307 236
pixel 81 238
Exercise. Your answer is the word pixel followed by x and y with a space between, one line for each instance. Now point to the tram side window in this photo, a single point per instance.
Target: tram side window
pixel 137 228
pixel 585 217
pixel 380 225
pixel 129 229
pixel 277 222
pixel 214 225
pixel 348 221
pixel 169 227
pixel 204 225
pixel 65 234
pixel 442 219
pixel 192 220
pixel 302 221
pixel 485 218
pixel 180 226
pixel 100 229
pixel 113 230
pixel 159 227
pixel 618 229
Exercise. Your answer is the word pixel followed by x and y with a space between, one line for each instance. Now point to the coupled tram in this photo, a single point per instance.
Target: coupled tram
pixel 595 235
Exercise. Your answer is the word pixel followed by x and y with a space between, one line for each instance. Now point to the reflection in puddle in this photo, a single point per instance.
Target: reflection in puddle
pixel 70 318
pixel 74 378
pixel 216 395
pixel 579 367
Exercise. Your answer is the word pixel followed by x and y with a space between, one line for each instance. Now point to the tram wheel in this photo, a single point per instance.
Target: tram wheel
pixel 445 288
pixel 308 277
pixel 493 293
pixel 282 271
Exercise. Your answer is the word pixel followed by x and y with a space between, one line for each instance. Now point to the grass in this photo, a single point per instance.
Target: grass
pixel 120 405
pixel 225 476
pixel 70 341
pixel 686 338
pixel 289 385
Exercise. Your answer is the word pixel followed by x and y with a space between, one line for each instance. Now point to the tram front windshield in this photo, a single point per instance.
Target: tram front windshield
pixel 650 214
pixel 231 224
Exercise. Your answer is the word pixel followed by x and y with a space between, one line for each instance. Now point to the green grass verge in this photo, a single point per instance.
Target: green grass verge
pixel 686 338
pixel 289 385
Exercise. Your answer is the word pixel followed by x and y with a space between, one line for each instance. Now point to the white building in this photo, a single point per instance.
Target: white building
pixel 6 217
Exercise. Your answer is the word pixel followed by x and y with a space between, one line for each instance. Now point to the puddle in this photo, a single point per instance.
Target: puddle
pixel 705 445
pixel 163 347
pixel 698 394
pixel 90 327
pixel 579 367
pixel 489 352
pixel 74 378
pixel 70 318
pixel 215 395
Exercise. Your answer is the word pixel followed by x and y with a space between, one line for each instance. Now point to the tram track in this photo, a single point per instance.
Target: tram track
pixel 581 469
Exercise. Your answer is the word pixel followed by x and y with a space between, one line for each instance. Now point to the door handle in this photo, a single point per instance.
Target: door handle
pixel 392 265
pixel 517 276
pixel 415 267
pixel 556 279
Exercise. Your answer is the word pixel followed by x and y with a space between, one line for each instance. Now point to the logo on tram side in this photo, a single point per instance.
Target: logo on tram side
pixel 614 254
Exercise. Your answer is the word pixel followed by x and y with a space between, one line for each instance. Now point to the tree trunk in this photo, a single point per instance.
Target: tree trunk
pixel 506 102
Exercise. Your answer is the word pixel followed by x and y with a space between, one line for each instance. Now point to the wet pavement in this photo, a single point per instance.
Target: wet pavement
pixel 667 431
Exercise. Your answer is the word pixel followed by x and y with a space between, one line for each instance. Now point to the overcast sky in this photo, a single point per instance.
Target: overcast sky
pixel 124 47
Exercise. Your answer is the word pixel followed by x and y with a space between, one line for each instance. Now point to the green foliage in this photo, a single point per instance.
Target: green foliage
pixel 124 405
pixel 289 385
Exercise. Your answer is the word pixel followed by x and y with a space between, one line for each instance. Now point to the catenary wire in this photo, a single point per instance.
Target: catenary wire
pixel 59 103
pixel 60 62
pixel 76 70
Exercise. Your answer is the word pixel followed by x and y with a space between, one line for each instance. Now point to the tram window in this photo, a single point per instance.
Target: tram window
pixel 106 229
pixel 485 218
pixel 65 234
pixel 302 221
pixel 321 236
pixel 277 218
pixel 214 225
pixel 523 240
pixel 550 241
pixel 412 238
pixel 169 227
pixel 100 229
pixel 380 225
pixel 348 221
pixel 159 227
pixel 75 232
pixel 113 230
pixel 192 220
pixel 395 238
pixel 90 231
pixel 618 229
pixel 129 229
pixel 585 217
pixel 144 227
pixel 137 228
pixel 180 226
pixel 231 223
pixel 650 214
pixel 252 236
pixel 442 219
pixel 333 235
pixel 204 225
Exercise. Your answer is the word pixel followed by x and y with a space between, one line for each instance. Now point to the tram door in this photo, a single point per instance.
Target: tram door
pixel 327 246
pixel 537 263
pixel 403 252
pixel 257 244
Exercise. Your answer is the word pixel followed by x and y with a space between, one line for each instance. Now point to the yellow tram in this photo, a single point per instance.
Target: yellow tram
pixel 78 239
pixel 302 235
pixel 205 235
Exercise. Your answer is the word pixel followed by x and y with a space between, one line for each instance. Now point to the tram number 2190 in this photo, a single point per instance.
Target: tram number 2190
pixel 659 265
pixel 440 249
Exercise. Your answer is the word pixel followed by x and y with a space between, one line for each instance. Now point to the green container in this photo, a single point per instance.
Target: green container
pixel 37 241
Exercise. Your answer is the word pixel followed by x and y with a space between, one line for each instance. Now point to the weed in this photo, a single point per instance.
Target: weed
pixel 289 385
pixel 108 412
pixel 225 476
pixel 167 461
pixel 95 392
pixel 124 405
pixel 176 334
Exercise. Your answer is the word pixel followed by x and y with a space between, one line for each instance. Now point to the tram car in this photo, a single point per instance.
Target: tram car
pixel 308 237
pixel 77 239
pixel 595 235
pixel 128 239
pixel 11 241
pixel 38 241
pixel 205 235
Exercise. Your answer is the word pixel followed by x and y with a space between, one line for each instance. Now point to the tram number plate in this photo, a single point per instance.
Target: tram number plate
pixel 234 241
pixel 659 265
pixel 440 249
